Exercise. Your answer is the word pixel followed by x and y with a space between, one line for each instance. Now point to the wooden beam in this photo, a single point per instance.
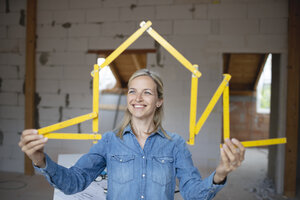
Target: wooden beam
pixel 116 74
pixel 128 51
pixel 136 61
pixel 260 70
pixel 293 87
pixel 226 60
pixel 30 75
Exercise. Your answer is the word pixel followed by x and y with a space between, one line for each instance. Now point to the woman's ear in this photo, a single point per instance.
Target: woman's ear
pixel 159 103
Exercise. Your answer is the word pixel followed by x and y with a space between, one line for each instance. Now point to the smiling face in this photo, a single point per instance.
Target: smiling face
pixel 142 98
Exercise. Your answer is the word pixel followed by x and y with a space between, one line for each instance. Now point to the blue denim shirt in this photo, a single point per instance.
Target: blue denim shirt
pixel 135 173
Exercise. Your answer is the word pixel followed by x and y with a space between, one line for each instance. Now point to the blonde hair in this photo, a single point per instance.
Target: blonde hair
pixel 158 115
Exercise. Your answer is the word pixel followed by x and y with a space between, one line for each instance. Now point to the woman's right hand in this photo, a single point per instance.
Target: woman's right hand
pixel 32 144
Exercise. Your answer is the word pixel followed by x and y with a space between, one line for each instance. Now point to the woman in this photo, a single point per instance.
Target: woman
pixel 142 159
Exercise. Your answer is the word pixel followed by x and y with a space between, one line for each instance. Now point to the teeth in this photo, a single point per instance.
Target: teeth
pixel 137 106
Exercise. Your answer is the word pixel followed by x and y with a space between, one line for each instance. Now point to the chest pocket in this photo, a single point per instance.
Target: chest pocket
pixel 121 168
pixel 162 169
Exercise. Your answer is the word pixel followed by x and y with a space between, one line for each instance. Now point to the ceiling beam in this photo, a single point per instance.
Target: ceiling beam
pixel 260 69
pixel 136 61
pixel 226 60
pixel 114 70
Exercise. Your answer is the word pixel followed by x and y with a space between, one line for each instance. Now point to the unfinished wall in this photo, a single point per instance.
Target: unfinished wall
pixel 200 29
pixel 12 67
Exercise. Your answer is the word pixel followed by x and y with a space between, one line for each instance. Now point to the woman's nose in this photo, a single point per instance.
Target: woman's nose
pixel 139 97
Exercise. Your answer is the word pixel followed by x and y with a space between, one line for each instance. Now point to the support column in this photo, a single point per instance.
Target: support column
pixel 30 74
pixel 293 87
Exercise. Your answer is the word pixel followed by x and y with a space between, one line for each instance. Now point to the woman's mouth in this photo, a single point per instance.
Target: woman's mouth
pixel 139 106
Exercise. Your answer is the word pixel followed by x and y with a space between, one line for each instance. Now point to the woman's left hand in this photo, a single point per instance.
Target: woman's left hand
pixel 232 156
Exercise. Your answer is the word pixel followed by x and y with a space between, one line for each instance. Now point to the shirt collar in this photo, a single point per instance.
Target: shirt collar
pixel 129 130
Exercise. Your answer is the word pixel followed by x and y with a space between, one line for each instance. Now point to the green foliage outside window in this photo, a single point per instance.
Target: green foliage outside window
pixel 265 96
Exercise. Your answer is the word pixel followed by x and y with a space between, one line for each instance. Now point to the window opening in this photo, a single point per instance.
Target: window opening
pixel 106 77
pixel 263 95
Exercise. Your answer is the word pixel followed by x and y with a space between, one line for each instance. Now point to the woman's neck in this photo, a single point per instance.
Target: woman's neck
pixel 142 128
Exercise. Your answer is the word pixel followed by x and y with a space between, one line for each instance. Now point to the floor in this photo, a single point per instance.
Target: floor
pixel 248 183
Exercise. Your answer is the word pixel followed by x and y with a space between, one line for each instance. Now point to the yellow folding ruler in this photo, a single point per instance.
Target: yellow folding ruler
pixel 194 128
pixel 222 89
pixel 47 131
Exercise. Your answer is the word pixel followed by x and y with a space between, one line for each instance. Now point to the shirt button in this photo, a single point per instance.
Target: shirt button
pixel 163 161
pixel 142 197
pixel 143 175
pixel 121 160
pixel 143 157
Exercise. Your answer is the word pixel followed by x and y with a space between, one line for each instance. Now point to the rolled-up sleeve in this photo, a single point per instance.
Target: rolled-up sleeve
pixel 191 185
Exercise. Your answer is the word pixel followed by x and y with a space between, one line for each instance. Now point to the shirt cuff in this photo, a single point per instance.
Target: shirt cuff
pixel 49 169
pixel 216 187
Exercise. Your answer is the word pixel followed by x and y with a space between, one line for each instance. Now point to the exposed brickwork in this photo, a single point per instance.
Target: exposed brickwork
pixel 246 124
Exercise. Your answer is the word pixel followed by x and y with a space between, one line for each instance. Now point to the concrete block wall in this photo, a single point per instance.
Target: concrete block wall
pixel 12 65
pixel 201 30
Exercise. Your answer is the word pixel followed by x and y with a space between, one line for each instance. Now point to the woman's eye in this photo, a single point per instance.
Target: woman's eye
pixel 130 92
pixel 147 92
